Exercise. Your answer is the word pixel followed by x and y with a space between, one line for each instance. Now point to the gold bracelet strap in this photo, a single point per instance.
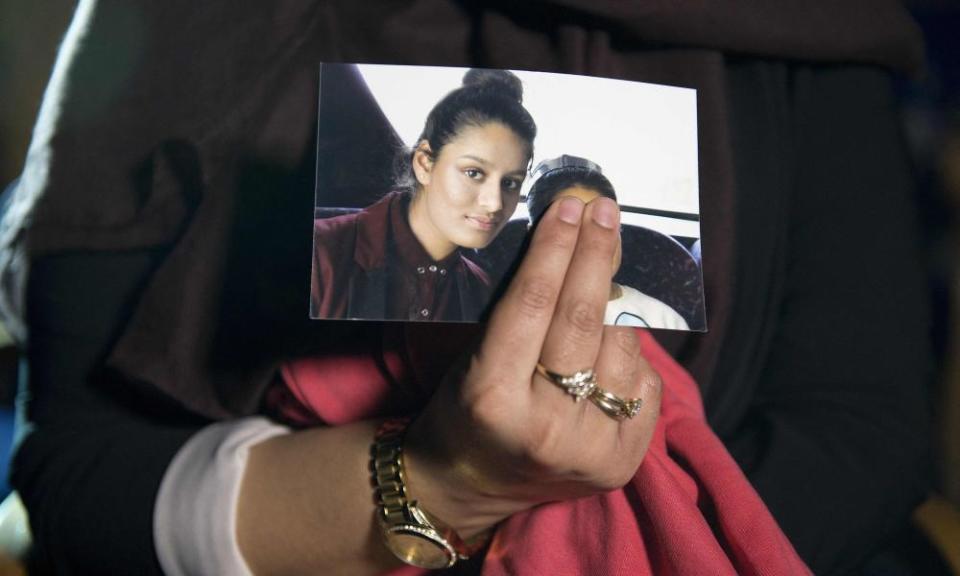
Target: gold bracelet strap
pixel 394 506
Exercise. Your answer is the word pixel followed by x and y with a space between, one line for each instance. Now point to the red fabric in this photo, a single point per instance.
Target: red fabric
pixel 688 510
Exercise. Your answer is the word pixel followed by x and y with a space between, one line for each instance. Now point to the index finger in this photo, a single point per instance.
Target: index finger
pixel 520 321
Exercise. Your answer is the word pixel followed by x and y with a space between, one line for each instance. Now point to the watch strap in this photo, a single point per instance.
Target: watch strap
pixel 396 512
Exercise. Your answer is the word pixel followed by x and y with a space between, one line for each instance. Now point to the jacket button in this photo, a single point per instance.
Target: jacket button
pixel 424 312
pixel 421 269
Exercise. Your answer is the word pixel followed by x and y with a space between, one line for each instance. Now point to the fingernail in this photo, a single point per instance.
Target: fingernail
pixel 571 210
pixel 605 212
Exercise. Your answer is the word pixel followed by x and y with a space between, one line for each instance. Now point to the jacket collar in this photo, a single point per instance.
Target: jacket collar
pixel 383 230
pixel 373 229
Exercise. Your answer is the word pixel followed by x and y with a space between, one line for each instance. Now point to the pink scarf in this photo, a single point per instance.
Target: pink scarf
pixel 689 510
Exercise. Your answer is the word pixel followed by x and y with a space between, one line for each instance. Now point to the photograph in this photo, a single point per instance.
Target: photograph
pixel 430 179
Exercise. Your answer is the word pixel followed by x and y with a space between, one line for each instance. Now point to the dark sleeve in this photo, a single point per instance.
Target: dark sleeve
pixel 96 447
pixel 836 439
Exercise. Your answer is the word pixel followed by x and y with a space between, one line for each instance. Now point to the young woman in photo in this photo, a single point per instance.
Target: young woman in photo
pixel 403 258
pixel 580 178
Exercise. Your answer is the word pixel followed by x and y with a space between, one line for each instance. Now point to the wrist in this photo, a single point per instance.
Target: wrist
pixel 451 487
pixel 413 534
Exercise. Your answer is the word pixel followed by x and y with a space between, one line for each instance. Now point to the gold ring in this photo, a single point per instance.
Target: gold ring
pixel 613 405
pixel 579 384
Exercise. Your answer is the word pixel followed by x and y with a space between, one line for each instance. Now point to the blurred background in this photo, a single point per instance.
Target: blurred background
pixel 30 31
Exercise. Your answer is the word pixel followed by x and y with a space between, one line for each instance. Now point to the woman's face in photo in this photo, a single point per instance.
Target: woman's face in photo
pixel 470 190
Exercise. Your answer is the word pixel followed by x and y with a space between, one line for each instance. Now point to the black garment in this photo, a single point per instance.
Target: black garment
pixel 832 418
pixel 815 366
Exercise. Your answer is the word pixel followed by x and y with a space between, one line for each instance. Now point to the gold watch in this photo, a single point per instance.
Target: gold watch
pixel 410 532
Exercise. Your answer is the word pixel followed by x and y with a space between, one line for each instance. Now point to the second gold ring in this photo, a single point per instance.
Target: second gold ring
pixel 613 405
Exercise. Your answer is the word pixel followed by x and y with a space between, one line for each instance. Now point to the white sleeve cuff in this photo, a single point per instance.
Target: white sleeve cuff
pixel 194 521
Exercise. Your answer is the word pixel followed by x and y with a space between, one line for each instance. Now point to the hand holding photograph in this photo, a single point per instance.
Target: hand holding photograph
pixel 429 180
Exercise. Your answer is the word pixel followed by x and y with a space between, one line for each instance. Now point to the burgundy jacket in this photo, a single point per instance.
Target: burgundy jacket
pixel 351 274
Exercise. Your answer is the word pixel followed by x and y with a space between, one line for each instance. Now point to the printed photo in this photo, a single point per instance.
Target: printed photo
pixel 429 180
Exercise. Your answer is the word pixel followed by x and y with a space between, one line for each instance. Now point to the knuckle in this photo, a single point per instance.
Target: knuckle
pixel 650 383
pixel 542 443
pixel 611 472
pixel 556 238
pixel 584 317
pixel 486 417
pixel 536 297
pixel 625 339
pixel 624 367
pixel 624 476
pixel 601 246
pixel 484 407
pixel 628 373
pixel 483 411
pixel 615 478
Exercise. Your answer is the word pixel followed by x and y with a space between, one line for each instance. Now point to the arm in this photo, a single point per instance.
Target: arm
pixel 313 489
pixel 90 470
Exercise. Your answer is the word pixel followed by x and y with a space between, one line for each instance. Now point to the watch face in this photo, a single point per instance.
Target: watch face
pixel 419 546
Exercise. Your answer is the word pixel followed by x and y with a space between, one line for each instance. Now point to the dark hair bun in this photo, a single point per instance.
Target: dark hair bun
pixel 500 81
